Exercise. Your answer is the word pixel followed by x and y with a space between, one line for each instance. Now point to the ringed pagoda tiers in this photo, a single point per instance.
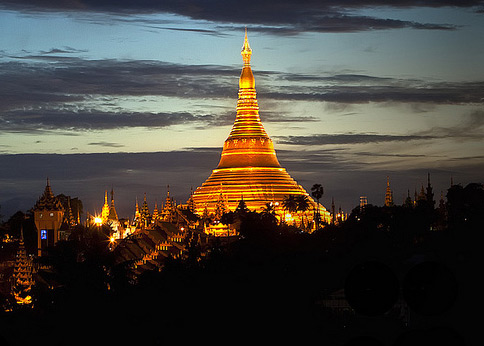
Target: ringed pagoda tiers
pixel 248 168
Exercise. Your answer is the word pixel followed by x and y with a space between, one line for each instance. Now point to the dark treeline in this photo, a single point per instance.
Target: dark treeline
pixel 267 285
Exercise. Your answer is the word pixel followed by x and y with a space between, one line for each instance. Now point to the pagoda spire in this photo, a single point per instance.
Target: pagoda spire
pixel 145 213
pixel 112 214
pixel 248 144
pixel 388 194
pixel 48 190
pixel 137 214
pixel 22 279
pixel 248 165
pixel 246 50
pixel 105 208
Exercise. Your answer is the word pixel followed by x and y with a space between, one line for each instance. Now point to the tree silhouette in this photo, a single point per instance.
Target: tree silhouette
pixel 302 206
pixel 290 204
pixel 268 208
pixel 317 192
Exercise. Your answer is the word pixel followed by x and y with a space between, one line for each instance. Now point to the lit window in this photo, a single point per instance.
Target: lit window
pixel 43 234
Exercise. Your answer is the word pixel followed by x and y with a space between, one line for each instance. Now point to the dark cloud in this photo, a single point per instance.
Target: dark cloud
pixel 64 50
pixel 200 31
pixel 339 23
pixel 46 120
pixel 71 79
pixel 351 88
pixel 70 120
pixel 337 78
pixel 59 79
pixel 107 144
pixel 471 127
pixel 47 92
pixel 347 138
pixel 284 17
pixel 367 153
pixel 31 87
pixel 275 117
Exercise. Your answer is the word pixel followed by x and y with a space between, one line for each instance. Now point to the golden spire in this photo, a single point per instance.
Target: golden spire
pixel 105 208
pixel 248 144
pixel 388 194
pixel 246 80
pixel 246 51
pixel 248 165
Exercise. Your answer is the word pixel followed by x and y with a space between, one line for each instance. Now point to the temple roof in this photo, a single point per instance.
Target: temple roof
pixel 48 201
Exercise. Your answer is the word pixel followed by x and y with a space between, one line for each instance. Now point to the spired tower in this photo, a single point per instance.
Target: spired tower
pixel 22 280
pixel 248 168
pixel 388 194
pixel 48 217
pixel 105 208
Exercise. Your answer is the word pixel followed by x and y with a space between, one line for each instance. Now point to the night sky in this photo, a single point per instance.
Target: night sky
pixel 138 95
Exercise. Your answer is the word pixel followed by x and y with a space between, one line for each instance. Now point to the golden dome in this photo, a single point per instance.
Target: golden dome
pixel 248 165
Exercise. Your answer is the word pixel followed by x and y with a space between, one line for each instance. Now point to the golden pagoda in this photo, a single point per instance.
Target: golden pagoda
pixel 388 194
pixel 105 208
pixel 22 279
pixel 248 168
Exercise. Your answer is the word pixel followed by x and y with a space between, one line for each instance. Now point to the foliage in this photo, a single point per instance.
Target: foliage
pixel 276 274
pixel 290 203
pixel 317 191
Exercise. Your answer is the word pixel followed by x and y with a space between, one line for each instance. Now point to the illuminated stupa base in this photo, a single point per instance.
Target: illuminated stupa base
pixel 248 168
pixel 256 185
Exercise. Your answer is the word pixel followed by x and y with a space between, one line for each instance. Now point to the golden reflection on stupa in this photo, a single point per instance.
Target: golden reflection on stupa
pixel 248 168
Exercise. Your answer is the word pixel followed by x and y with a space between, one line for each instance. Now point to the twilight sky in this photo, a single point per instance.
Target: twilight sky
pixel 350 92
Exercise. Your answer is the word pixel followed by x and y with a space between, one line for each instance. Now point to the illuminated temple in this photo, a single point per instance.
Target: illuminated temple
pixel 248 168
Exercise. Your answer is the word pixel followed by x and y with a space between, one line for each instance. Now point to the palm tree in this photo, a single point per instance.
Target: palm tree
pixel 290 204
pixel 268 208
pixel 317 192
pixel 303 205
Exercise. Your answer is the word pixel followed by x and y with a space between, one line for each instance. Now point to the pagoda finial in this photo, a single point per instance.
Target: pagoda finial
pixel 246 50
pixel 48 190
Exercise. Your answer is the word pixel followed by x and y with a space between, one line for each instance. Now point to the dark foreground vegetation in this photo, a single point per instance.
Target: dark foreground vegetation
pixel 270 285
